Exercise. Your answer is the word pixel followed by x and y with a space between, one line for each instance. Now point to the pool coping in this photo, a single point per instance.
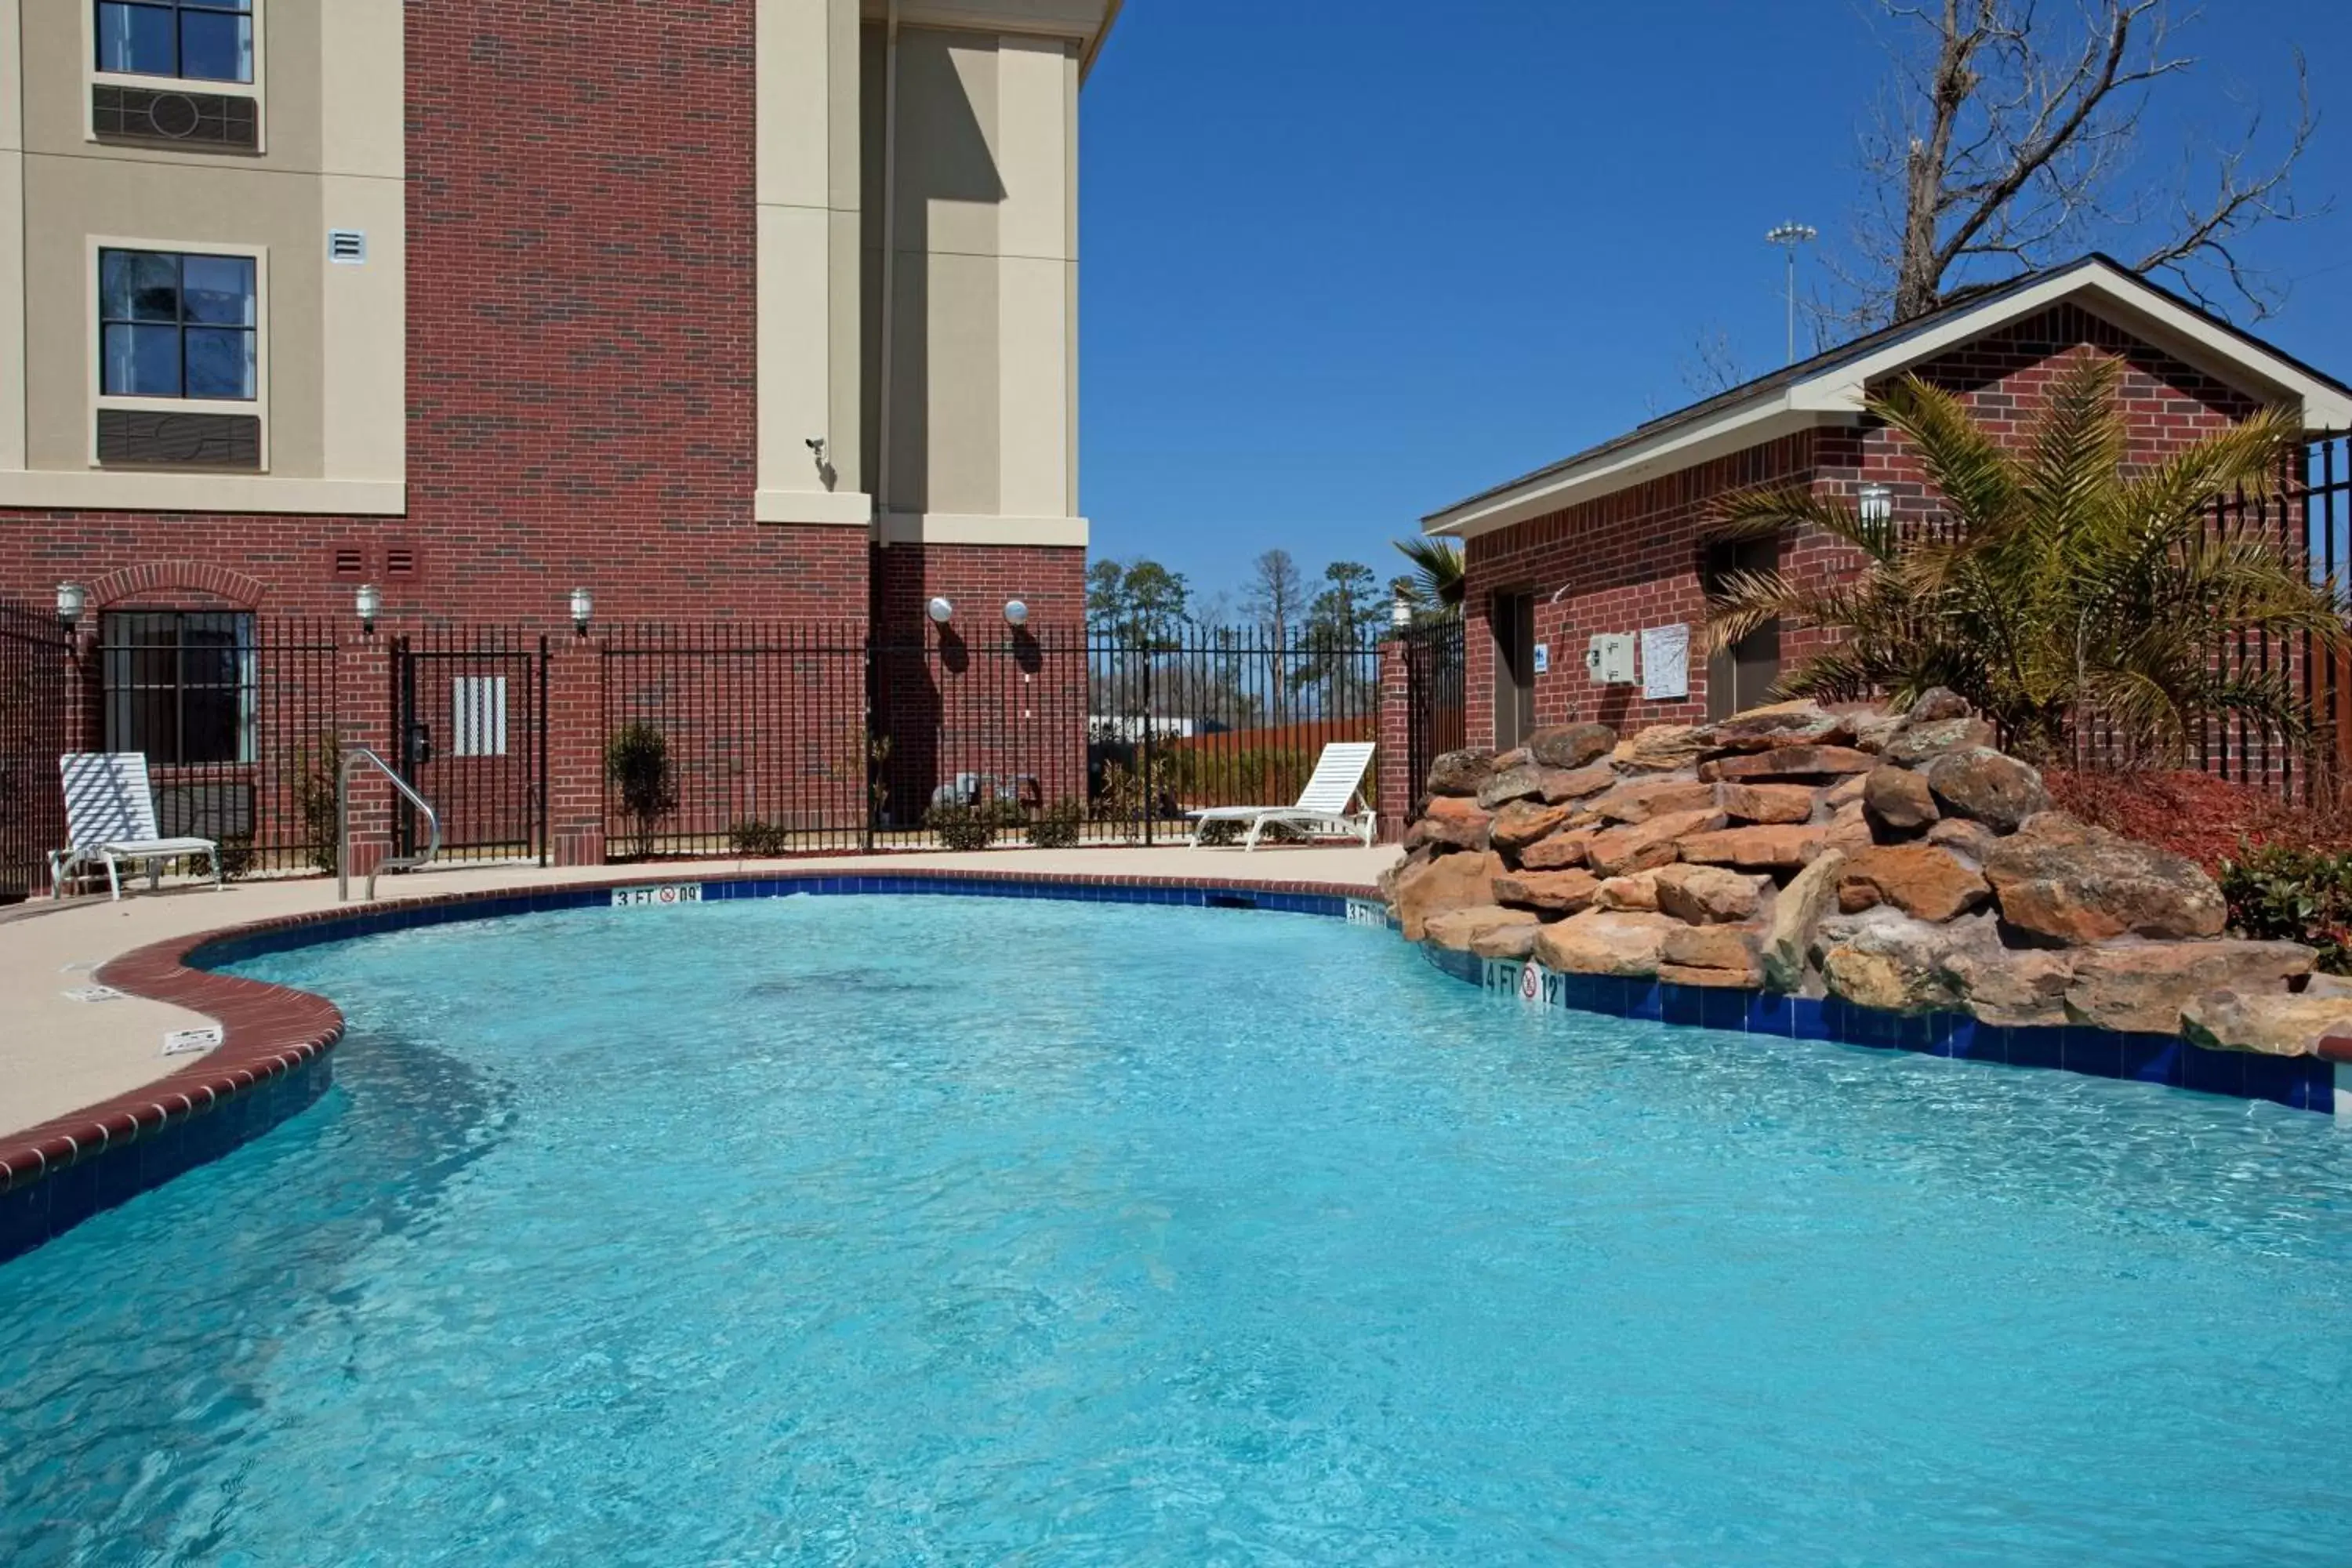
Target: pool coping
pixel 275 1054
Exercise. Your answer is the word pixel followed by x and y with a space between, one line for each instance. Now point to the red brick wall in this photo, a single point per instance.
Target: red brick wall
pixel 1632 559
pixel 978 580
pixel 581 254
pixel 978 697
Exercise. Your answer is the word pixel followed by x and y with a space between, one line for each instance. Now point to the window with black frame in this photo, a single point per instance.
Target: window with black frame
pixel 177 326
pixel 180 685
pixel 195 40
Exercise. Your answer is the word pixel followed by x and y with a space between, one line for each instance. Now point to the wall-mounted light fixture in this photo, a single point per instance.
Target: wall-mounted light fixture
pixel 1016 613
pixel 369 603
pixel 1876 503
pixel 583 607
pixel 940 611
pixel 73 598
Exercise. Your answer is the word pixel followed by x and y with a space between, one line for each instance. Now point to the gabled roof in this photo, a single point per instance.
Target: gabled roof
pixel 1827 389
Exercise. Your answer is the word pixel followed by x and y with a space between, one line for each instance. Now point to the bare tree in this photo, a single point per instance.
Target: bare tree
pixel 2006 142
pixel 1714 364
pixel 1275 593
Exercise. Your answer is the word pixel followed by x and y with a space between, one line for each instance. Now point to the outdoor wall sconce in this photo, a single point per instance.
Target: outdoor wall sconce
pixel 1016 613
pixel 369 603
pixel 71 599
pixel 583 605
pixel 1878 503
pixel 942 611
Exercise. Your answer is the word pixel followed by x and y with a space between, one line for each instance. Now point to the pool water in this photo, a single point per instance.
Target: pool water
pixel 933 1230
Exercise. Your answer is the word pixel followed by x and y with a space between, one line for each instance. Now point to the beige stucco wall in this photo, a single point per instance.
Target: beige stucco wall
pixel 983 411
pixel 12 243
pixel 809 285
pixel 334 336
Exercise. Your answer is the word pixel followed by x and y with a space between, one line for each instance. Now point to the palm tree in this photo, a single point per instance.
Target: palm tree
pixel 2063 588
pixel 1435 588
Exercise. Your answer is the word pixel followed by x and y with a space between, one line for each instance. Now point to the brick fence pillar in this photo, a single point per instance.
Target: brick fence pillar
pixel 363 717
pixel 575 753
pixel 1394 781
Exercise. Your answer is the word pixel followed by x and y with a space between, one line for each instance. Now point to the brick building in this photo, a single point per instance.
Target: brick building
pixel 720 310
pixel 1568 566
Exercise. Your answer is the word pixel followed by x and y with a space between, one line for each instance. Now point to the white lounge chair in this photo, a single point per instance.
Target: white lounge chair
pixel 1322 808
pixel 111 819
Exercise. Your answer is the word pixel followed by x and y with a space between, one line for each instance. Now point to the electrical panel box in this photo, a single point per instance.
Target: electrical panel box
pixel 1610 659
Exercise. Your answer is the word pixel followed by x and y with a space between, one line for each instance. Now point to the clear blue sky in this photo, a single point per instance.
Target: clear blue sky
pixel 1343 264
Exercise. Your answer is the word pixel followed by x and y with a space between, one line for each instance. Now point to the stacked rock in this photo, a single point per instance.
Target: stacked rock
pixel 1899 862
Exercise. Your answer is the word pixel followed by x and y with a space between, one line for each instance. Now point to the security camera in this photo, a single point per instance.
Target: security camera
pixel 816 445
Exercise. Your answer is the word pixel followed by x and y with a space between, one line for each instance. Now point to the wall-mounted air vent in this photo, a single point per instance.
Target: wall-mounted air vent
pixel 347 245
pixel 198 122
pixel 181 440
pixel 399 560
pixel 350 563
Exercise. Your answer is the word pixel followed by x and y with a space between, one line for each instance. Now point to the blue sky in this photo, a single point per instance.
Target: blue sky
pixel 1343 264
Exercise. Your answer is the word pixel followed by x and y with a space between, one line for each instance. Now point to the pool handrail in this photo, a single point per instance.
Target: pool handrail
pixel 352 754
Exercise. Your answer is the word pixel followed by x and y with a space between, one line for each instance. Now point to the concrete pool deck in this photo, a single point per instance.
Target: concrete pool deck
pixel 59 1055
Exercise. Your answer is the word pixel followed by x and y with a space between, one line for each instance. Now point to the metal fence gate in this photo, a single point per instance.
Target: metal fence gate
pixel 469 725
pixel 36 658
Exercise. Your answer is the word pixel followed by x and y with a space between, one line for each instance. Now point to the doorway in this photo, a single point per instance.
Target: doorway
pixel 1513 620
pixel 1742 676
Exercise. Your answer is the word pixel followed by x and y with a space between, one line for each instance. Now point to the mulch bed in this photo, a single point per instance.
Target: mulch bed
pixel 2194 813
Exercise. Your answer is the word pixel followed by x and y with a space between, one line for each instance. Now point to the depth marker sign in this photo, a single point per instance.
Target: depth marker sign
pixel 664 896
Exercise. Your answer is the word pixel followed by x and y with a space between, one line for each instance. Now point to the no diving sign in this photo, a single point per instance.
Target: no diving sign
pixel 661 896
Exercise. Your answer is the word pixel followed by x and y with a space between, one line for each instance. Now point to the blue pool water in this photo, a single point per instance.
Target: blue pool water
pixel 930 1231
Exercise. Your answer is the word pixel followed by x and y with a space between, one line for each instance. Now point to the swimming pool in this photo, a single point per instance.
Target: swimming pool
pixel 950 1230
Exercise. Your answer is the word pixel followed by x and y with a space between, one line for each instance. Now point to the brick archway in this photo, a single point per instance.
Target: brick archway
pixel 220 582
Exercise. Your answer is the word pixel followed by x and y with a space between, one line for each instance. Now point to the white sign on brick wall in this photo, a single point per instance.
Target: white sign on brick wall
pixel 1665 663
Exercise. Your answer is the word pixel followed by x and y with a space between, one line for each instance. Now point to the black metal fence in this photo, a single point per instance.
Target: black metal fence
pixel 1436 723
pixel 239 717
pixel 34 665
pixel 735 737
pixel 800 738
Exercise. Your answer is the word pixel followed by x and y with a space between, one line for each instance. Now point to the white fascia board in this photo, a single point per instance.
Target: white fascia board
pixel 1733 431
pixel 2127 303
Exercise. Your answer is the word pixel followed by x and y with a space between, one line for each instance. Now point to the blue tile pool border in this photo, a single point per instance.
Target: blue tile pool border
pixel 2300 1083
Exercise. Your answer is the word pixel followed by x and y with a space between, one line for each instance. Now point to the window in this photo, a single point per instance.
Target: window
pixel 201 40
pixel 179 685
pixel 177 326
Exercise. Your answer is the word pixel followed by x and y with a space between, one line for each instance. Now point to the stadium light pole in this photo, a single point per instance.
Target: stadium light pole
pixel 1788 236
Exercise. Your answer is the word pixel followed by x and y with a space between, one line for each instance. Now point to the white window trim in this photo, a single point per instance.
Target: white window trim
pixel 256 407
pixel 91 76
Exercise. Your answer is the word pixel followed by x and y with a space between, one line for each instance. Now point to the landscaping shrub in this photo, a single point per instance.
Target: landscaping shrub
pixel 752 838
pixel 2280 891
pixel 637 759
pixel 317 771
pixel 971 827
pixel 2065 584
pixel 235 851
pixel 1227 831
pixel 1056 827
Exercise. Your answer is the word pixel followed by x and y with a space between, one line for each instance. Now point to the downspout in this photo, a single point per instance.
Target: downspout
pixel 889 267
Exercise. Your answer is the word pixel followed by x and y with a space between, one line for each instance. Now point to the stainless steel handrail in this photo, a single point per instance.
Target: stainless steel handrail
pixel 344 824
